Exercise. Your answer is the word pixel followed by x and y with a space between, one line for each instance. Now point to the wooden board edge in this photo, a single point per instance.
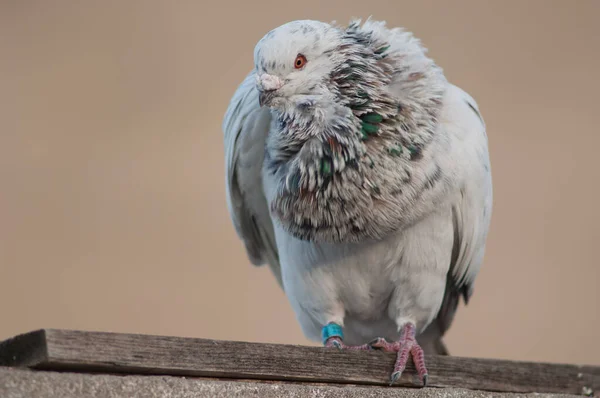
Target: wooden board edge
pixel 43 349
pixel 27 349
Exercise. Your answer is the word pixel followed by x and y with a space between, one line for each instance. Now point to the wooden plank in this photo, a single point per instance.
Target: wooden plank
pixel 25 383
pixel 52 349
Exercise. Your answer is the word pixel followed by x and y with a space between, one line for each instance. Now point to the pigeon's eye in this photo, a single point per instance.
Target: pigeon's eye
pixel 300 61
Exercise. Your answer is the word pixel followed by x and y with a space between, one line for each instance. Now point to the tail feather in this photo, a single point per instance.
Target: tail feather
pixel 431 341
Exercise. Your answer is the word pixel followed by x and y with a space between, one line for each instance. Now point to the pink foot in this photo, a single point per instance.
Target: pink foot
pixel 338 343
pixel 405 346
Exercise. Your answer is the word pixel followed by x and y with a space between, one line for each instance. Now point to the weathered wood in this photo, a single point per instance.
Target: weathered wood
pixel 26 383
pixel 52 349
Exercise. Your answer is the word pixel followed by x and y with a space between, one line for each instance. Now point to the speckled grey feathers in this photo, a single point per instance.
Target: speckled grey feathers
pixel 332 167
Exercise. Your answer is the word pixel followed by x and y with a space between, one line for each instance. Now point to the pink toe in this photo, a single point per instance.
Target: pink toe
pixel 419 360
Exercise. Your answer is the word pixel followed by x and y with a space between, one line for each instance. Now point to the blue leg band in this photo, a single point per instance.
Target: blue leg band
pixel 331 330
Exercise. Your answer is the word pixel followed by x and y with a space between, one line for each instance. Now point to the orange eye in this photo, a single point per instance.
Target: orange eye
pixel 300 61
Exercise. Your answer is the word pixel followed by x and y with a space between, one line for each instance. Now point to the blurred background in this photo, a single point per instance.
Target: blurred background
pixel 112 198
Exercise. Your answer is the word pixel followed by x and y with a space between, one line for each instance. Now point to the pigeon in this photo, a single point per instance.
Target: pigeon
pixel 361 176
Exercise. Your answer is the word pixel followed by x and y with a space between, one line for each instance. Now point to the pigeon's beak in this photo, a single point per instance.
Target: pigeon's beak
pixel 265 97
pixel 267 86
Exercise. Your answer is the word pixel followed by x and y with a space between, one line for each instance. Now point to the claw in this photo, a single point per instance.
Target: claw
pixel 425 377
pixel 377 343
pixel 395 377
pixel 334 342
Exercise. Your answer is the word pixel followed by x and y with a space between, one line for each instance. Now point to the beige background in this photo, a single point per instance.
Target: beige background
pixel 112 201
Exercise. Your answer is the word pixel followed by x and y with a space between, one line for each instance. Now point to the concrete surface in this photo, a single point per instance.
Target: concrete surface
pixel 22 383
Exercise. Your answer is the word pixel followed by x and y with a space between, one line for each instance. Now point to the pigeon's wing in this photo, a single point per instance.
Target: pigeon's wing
pixel 471 212
pixel 246 126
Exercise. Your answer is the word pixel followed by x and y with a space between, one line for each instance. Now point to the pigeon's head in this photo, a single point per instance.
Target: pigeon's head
pixel 293 62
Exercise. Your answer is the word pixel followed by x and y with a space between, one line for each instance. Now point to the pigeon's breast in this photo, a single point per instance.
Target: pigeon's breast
pixel 318 278
pixel 370 287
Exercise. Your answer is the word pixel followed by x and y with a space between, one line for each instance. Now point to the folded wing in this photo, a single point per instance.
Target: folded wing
pixel 246 126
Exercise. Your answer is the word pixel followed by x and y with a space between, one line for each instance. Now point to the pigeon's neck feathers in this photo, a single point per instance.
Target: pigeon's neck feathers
pixel 379 110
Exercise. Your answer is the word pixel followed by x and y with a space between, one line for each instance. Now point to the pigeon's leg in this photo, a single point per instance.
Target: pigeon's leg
pixel 333 336
pixel 407 345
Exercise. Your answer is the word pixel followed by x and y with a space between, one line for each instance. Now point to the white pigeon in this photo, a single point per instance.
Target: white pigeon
pixel 362 177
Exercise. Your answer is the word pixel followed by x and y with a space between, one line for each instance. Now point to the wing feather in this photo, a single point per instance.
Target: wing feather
pixel 246 126
pixel 472 211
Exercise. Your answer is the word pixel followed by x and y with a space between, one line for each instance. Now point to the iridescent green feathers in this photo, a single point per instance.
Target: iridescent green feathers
pixel 370 123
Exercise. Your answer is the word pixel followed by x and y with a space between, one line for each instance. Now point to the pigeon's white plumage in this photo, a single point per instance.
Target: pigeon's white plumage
pixel 364 182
